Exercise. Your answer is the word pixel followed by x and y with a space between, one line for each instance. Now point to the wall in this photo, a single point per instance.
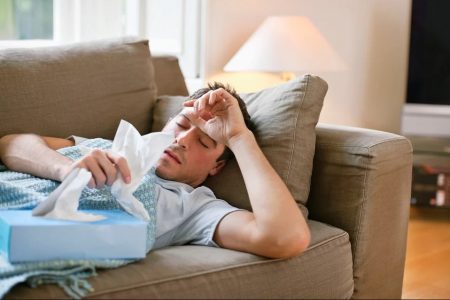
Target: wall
pixel 371 36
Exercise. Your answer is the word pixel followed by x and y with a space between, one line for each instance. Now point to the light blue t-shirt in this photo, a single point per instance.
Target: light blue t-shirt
pixel 185 215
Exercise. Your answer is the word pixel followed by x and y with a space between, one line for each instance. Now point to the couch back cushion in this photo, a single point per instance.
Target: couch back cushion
pixel 285 117
pixel 81 89
pixel 168 76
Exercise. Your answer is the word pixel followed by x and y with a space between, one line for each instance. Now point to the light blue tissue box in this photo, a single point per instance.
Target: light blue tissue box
pixel 27 238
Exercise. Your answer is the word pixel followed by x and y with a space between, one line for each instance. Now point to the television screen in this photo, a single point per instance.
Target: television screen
pixel 429 53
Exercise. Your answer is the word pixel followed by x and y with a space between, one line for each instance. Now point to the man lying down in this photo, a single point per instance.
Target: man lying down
pixel 211 128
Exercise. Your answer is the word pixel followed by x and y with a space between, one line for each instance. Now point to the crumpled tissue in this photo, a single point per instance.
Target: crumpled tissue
pixel 141 153
pixel 62 203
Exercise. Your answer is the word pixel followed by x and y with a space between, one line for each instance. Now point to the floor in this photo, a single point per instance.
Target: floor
pixel 427 269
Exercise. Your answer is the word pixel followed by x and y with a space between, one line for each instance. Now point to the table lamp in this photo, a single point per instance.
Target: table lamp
pixel 286 44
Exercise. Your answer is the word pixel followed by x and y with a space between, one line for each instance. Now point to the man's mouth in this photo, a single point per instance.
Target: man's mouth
pixel 173 156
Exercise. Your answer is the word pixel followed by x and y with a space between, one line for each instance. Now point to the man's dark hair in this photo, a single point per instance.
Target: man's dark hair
pixel 227 154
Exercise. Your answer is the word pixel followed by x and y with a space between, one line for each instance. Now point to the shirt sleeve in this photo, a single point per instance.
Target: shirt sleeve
pixel 200 227
pixel 76 139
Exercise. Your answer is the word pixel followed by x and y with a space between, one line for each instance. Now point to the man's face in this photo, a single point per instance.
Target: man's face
pixel 193 154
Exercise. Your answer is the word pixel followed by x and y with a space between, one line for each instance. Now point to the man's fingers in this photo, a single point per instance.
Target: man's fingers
pixel 222 97
pixel 102 160
pixel 91 183
pixel 213 99
pixel 109 169
pixel 97 172
pixel 189 103
pixel 209 99
pixel 198 104
pixel 198 121
pixel 217 110
pixel 122 165
pixel 223 94
pixel 81 164
pixel 104 166
pixel 202 104
pixel 219 105
pixel 208 107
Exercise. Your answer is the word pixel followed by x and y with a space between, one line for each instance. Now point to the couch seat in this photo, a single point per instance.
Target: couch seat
pixel 324 270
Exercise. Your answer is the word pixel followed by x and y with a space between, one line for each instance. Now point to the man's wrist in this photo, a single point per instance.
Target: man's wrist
pixel 243 137
pixel 61 171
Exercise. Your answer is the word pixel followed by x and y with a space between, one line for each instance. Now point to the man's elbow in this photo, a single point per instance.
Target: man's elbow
pixel 288 246
pixel 295 246
pixel 4 142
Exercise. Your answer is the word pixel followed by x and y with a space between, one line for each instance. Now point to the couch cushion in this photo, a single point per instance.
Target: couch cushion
pixel 165 108
pixel 324 270
pixel 82 89
pixel 285 117
pixel 168 76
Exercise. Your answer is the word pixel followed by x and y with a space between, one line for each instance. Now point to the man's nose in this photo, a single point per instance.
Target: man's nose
pixel 184 138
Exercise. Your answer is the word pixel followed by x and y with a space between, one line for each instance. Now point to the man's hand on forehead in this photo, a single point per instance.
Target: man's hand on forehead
pixel 211 104
pixel 217 113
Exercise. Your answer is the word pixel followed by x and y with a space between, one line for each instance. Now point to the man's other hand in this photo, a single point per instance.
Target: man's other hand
pixel 217 113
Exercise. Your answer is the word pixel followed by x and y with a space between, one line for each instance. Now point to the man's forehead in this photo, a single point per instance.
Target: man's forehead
pixel 186 112
pixel 189 113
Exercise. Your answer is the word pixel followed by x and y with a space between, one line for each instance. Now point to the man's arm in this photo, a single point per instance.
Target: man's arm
pixel 276 228
pixel 36 155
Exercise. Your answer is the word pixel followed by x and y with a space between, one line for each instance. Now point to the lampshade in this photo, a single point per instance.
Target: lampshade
pixel 286 44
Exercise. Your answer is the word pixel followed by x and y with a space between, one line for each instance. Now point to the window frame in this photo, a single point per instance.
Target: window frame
pixel 67 28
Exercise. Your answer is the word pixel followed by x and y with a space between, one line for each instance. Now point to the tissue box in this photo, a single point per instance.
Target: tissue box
pixel 27 238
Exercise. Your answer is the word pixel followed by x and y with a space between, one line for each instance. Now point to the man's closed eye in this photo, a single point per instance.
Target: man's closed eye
pixel 203 144
pixel 182 126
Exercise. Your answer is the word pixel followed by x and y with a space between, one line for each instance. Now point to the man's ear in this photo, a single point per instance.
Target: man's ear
pixel 219 166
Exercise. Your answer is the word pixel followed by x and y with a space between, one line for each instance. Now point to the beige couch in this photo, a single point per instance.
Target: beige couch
pixel 358 201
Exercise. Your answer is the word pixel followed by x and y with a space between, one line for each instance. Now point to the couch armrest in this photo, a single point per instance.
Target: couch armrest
pixel 361 183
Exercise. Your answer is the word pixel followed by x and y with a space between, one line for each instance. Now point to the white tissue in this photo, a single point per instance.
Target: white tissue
pixel 62 203
pixel 141 153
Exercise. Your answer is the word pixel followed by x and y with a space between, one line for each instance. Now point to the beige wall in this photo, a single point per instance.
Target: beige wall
pixel 370 35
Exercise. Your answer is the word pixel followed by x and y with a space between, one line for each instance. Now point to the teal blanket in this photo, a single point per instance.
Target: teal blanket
pixel 23 191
